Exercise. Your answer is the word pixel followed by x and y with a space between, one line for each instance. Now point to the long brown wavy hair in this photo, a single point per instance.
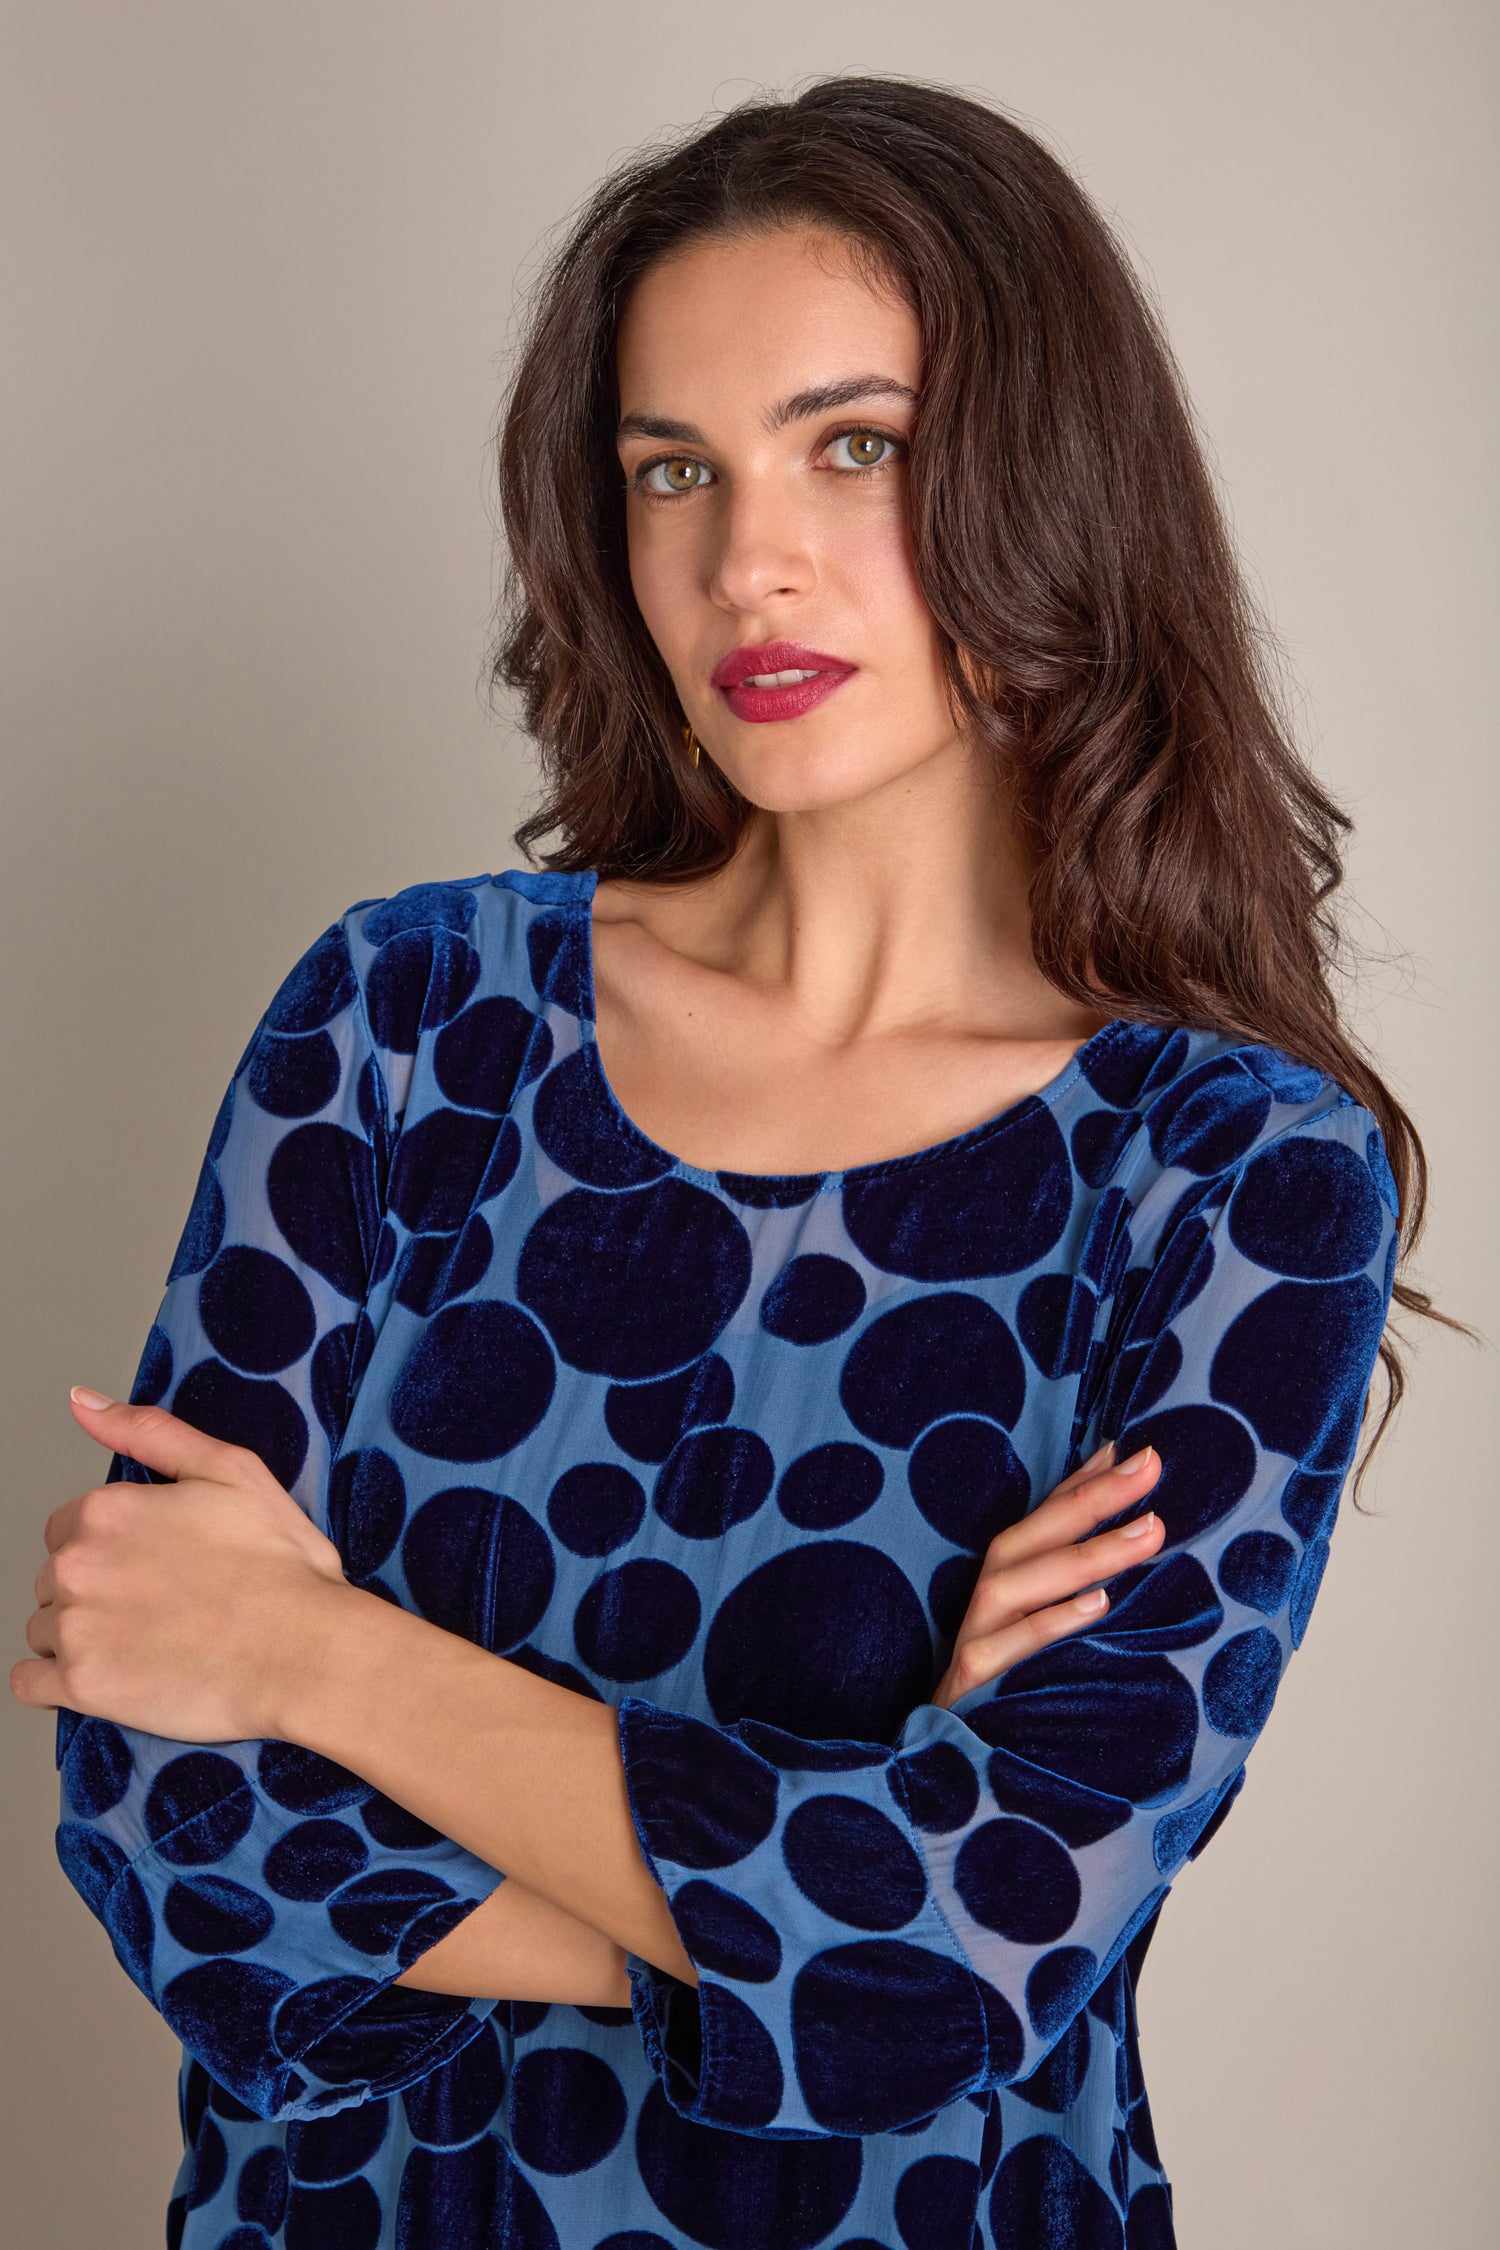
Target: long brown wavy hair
pixel 1097 634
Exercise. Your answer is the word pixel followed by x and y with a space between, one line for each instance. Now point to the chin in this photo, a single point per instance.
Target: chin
pixel 812 781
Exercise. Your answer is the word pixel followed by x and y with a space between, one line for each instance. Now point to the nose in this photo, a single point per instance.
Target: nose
pixel 763 549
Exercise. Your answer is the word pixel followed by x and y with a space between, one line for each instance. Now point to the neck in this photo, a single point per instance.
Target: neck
pixel 906 906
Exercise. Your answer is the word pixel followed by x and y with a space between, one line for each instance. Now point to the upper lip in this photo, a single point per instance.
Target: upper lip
pixel 774 656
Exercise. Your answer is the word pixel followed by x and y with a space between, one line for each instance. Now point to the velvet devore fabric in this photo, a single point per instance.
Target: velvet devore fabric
pixel 725 1451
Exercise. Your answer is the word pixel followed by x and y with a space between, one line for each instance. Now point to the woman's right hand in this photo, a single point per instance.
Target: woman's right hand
pixel 1029 1591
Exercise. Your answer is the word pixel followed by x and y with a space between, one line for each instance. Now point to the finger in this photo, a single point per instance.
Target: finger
pixel 34 1681
pixel 60 1525
pixel 1067 1516
pixel 1025 1587
pixel 1102 1459
pixel 1128 1482
pixel 41 1632
pixel 988 1655
pixel 44 1585
pixel 155 1438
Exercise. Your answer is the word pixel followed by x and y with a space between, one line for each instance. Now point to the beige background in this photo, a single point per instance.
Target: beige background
pixel 258 279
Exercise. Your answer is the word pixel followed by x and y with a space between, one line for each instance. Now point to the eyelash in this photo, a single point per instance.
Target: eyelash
pixel 639 486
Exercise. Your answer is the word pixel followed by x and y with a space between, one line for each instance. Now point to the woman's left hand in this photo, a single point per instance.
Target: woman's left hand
pixel 182 1609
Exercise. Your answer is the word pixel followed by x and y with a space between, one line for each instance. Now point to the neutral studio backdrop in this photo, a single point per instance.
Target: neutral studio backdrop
pixel 259 268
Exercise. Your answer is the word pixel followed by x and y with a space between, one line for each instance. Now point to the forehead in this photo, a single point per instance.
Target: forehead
pixel 730 322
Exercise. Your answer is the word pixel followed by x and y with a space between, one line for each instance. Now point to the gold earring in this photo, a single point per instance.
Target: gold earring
pixel 691 740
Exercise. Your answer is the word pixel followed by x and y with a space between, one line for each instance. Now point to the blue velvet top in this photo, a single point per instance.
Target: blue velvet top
pixel 724 1450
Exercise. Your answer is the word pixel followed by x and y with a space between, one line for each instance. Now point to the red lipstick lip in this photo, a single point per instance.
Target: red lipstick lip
pixel 774 656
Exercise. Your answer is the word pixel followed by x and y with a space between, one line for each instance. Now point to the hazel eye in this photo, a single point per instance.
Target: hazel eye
pixel 682 475
pixel 868 448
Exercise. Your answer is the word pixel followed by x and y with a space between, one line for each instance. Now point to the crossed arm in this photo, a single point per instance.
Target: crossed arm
pixel 213 1610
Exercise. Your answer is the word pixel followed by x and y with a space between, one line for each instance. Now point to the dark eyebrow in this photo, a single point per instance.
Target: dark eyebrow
pixel 823 398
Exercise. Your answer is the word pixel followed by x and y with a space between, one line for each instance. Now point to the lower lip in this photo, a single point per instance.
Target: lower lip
pixel 762 703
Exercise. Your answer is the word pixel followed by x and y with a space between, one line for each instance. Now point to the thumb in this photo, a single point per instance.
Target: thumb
pixel 152 1436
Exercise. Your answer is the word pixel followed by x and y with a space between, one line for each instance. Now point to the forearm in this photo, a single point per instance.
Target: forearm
pixel 519 1946
pixel 524 1773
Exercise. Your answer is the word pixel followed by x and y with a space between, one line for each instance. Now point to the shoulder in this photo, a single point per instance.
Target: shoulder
pixel 422 954
pixel 1182 1121
pixel 1203 1102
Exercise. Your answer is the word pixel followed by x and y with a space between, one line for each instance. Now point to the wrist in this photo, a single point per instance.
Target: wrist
pixel 331 1653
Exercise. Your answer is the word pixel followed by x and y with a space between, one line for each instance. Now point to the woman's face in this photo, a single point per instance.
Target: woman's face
pixel 768 397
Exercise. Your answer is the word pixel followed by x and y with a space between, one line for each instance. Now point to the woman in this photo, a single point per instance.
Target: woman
pixel 729 1297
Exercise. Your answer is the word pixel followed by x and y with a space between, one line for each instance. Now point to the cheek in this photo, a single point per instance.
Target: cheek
pixel 662 580
pixel 880 572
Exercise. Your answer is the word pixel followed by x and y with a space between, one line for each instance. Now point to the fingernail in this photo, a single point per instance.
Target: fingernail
pixel 83 1396
pixel 1089 1603
pixel 1136 1461
pixel 1137 1528
pixel 1104 1454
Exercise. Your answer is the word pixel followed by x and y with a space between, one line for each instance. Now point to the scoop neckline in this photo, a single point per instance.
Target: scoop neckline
pixel 953 1144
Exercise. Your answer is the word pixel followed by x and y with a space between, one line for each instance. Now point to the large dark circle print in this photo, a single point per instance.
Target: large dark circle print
pixel 245 1411
pixel 710 1799
pixel 994 1207
pixel 646 1419
pixel 557 953
pixel 366 1508
pixel 1125 1726
pixel 580 1126
pixel 98 1768
pixel 596 1506
pixel 204 1229
pixel 1118 1060
pixel 320 2150
pixel 946 1353
pixel 484 1056
pixel 1056 1320
pixel 476 1382
pixel 452 2105
pixel 1043 2197
pixel 420 979
pixel 1295 1361
pixel 294 1077
pixel 718 2187
pixel 320 1184
pixel 826 1639
pixel 1015 1878
pixel 1208 1117
pixel 1307 1209
pixel 479 1565
pixel 853 1862
pixel 829 1485
pixel 421 906
pixel 638 1620
pixel 567 2109
pixel 1207 1464
pixel 750 2080
pixel 440 1162
pixel 727 1936
pixel 320 987
pixel 255 1310
pixel 883 2031
pixel 1240 1683
pixel 968 1481
pixel 936 2200
pixel 468 2198
pixel 222 2010
pixel 211 1914
pixel 713 1479
pixel 813 1298
pixel 637 1283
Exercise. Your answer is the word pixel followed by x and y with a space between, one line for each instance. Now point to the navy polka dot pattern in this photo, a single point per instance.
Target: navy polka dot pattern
pixel 725 1451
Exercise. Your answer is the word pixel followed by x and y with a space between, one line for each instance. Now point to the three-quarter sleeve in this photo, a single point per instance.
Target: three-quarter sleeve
pixel 880 1928
pixel 263 1898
